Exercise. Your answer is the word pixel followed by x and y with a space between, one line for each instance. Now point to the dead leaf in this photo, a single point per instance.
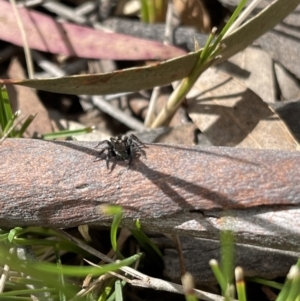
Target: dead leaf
pixel 258 66
pixel 27 101
pixel 45 34
pixel 229 114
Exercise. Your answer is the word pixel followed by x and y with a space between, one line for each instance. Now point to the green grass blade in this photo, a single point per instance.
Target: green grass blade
pixel 24 126
pixel 28 268
pixel 51 269
pixel 6 114
pixel 227 255
pixel 25 292
pixel 266 282
pixel 144 240
pixel 282 296
pixel 10 124
pixel 226 27
pixel 218 274
pixel 294 292
pixel 61 280
pixel 15 298
pixel 240 284
pixel 107 289
pixel 68 133
pixel 117 213
pixel 6 111
pixel 119 285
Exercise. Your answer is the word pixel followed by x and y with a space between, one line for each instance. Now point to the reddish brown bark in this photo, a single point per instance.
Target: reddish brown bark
pixel 176 189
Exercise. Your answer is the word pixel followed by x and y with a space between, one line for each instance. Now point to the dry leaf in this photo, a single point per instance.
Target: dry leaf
pixel 258 66
pixel 27 101
pixel 45 34
pixel 229 114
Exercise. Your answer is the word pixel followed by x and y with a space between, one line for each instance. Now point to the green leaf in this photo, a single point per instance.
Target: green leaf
pixel 13 233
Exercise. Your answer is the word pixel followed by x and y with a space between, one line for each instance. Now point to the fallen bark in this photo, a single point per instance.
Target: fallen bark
pixel 197 252
pixel 176 189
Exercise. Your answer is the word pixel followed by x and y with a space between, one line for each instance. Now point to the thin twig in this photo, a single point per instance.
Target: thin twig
pixel 118 114
pixel 27 52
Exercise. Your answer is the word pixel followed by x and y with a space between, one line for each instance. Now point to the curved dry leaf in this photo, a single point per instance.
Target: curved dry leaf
pixel 45 34
pixel 229 114
pixel 127 80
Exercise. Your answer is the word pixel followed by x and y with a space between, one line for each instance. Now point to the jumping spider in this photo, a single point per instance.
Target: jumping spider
pixel 122 148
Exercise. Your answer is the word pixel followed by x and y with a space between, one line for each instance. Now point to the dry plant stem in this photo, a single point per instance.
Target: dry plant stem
pixel 180 254
pixel 178 95
pixel 175 189
pixel 86 8
pixel 68 13
pixel 168 40
pixel 47 65
pixel 64 12
pixel 151 108
pixel 4 277
pixel 158 284
pixel 169 29
pixel 28 57
pixel 124 235
pixel 32 3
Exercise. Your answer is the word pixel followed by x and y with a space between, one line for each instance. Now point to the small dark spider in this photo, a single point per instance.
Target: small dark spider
pixel 122 148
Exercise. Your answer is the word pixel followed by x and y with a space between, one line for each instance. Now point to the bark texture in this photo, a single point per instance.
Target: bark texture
pixel 175 189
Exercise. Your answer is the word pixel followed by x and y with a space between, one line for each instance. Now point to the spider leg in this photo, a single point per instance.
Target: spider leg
pixel 108 157
pixel 103 150
pixel 137 140
pixel 140 149
pixel 102 142
pixel 130 155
